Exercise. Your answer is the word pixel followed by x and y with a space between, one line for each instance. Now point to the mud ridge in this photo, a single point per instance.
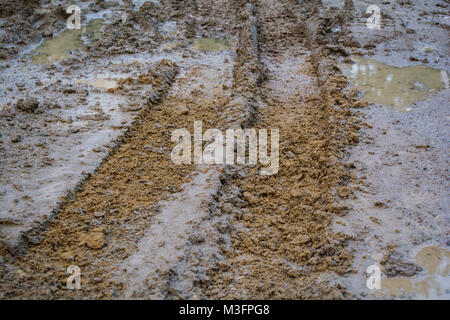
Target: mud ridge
pixel 163 74
pixel 199 249
pixel 241 110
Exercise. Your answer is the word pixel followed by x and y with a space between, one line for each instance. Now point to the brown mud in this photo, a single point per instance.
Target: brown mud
pixel 280 230
pixel 140 226
pixel 400 204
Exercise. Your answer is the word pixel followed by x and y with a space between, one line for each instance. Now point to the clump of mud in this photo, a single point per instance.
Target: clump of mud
pixel 394 264
pixel 28 105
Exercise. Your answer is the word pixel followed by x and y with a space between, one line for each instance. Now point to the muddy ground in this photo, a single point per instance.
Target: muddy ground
pixel 87 178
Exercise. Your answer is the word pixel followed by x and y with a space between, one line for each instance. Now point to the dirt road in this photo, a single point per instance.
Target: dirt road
pixel 88 178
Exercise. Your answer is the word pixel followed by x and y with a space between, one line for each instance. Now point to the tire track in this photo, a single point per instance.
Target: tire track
pixel 281 246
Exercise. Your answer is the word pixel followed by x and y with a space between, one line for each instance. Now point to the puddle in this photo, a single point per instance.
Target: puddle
pixel 57 47
pixel 396 87
pixel 212 44
pixel 100 83
pixel 171 45
pixel 42 11
pixel 139 3
pixel 435 261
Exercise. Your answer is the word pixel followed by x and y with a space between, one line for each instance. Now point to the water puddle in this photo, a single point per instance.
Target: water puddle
pixel 396 87
pixel 435 261
pixel 41 11
pixel 171 45
pixel 100 83
pixel 139 3
pixel 213 44
pixel 57 47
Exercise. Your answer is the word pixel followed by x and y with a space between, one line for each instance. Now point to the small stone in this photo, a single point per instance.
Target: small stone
pixel 197 238
pixel 227 208
pixel 249 198
pixel 28 105
pixel 360 104
pixel 98 214
pixel 16 139
pixel 181 109
pixel 379 204
pixel 344 192
pixel 295 193
pixel 20 274
pixel 95 240
pixel 375 220
pixel 300 193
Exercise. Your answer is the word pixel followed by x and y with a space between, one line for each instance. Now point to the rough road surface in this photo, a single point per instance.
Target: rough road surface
pixel 87 177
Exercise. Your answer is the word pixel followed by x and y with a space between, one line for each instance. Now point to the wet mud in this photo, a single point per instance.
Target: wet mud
pixel 396 87
pixel 87 178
